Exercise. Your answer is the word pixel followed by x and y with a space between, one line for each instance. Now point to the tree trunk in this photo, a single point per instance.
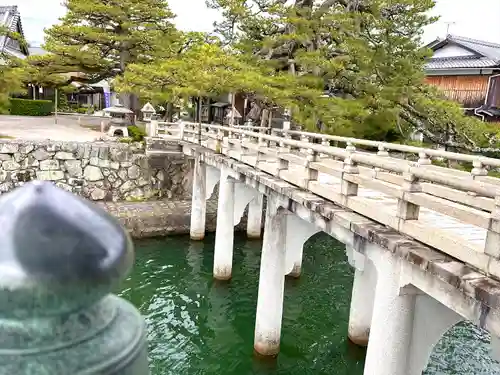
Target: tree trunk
pixel 170 112
pixel 263 118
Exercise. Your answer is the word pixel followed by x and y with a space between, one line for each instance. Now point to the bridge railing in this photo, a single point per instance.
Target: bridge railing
pixel 467 197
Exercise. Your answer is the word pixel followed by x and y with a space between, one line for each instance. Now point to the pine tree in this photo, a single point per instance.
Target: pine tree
pixel 98 39
pixel 366 55
pixel 11 75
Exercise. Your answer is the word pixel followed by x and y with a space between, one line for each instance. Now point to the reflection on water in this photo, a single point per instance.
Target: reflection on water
pixel 199 326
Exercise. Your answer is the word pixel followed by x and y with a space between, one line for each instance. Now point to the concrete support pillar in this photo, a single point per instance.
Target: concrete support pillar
pixel 243 195
pixel 363 294
pixel 271 281
pixel 392 321
pixel 224 236
pixel 199 204
pixel 431 321
pixel 298 232
pixel 495 348
pixel 255 208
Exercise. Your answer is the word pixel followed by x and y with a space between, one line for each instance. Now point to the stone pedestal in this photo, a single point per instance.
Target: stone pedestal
pixel 60 257
pixel 199 204
pixel 224 237
pixel 271 281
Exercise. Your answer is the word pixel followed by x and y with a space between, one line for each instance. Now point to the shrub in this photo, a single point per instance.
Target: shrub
pixel 82 110
pixel 28 107
pixel 137 134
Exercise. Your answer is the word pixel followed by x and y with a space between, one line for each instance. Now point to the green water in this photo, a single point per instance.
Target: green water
pixel 198 326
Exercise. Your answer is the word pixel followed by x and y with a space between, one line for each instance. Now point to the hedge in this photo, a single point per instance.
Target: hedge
pixel 28 107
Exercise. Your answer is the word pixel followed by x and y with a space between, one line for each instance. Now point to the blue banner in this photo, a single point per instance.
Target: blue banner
pixel 107 99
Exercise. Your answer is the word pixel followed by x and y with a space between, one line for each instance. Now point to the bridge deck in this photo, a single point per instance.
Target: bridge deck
pixel 458 212
pixel 381 204
pixel 459 239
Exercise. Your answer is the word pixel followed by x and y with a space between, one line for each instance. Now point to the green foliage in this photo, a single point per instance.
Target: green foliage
pixel 99 38
pixel 11 76
pixel 82 110
pixel 136 134
pixel 28 107
pixel 126 140
pixel 352 68
pixel 368 57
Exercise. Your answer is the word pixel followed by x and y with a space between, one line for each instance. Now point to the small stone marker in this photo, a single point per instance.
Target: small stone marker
pixel 60 257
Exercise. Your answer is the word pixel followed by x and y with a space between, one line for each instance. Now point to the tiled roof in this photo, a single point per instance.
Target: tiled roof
pixel 10 18
pixel 484 54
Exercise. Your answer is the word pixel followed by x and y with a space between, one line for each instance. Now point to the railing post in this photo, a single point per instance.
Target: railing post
pixel 274 133
pixel 492 247
pixel 424 159
pixel 350 147
pixel 226 139
pixel 61 257
pixel 182 126
pixel 283 147
pixel 382 152
pixel 405 209
pixel 311 174
pixel 306 139
pixel 347 188
pixel 219 141
pixel 478 170
pixel 324 142
pixel 152 128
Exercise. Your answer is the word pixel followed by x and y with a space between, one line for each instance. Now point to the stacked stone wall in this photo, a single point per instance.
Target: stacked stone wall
pixel 98 171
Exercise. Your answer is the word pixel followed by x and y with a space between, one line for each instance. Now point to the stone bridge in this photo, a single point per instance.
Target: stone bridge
pixel 423 238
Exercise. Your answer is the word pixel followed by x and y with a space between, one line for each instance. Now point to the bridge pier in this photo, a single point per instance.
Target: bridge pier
pixel 431 321
pixel 392 321
pixel 495 347
pixel 363 294
pixel 254 224
pixel 271 281
pixel 198 203
pixel 298 232
pixel 224 236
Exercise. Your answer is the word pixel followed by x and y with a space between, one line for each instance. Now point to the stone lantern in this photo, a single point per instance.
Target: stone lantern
pixel 120 120
pixel 147 112
pixel 60 257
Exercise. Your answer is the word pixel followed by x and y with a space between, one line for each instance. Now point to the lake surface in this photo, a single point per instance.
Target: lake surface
pixel 199 326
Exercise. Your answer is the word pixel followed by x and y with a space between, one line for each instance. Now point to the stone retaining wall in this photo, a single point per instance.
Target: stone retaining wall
pixel 98 171
pixel 162 218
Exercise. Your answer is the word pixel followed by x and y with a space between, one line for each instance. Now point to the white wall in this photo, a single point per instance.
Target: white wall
pixel 452 51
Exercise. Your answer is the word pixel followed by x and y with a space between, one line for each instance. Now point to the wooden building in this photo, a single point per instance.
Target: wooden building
pixel 467 71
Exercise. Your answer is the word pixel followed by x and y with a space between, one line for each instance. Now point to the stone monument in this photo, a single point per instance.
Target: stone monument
pixel 60 257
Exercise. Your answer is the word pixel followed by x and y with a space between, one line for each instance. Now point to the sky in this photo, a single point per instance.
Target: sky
pixel 480 21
